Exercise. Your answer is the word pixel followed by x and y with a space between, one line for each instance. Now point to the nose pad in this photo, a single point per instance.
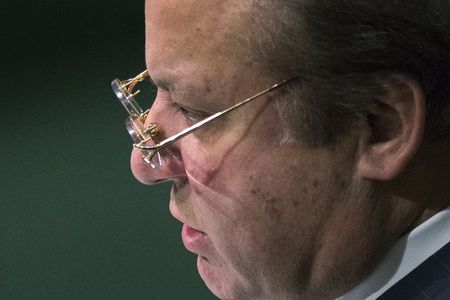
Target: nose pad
pixel 165 165
pixel 141 134
pixel 160 159
pixel 148 136
pixel 135 128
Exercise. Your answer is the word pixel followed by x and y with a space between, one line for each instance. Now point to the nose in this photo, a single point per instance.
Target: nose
pixel 171 165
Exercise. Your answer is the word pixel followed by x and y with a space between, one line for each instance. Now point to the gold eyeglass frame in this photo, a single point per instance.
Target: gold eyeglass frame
pixel 124 92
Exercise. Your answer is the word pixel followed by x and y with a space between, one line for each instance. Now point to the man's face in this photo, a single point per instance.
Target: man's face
pixel 265 218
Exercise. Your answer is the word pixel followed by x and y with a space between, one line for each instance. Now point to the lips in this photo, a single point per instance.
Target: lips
pixel 195 241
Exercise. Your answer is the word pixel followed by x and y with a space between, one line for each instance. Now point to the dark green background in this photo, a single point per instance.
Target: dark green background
pixel 74 223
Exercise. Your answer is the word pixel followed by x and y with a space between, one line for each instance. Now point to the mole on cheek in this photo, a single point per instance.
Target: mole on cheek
pixel 271 209
pixel 341 181
pixel 269 204
pixel 207 88
pixel 207 85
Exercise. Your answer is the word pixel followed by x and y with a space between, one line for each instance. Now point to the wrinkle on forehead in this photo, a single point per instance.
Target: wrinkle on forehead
pixel 191 28
pixel 201 46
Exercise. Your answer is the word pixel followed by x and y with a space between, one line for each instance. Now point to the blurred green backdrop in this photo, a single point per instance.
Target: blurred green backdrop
pixel 74 223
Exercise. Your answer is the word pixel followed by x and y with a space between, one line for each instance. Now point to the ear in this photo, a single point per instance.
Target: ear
pixel 396 125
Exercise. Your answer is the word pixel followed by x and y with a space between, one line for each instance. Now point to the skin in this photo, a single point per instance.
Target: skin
pixel 278 219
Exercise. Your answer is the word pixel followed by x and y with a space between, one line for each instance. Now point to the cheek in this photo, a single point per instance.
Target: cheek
pixel 225 156
pixel 256 211
pixel 227 168
pixel 265 215
pixel 258 238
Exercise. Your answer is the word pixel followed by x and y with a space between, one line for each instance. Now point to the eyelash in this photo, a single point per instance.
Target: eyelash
pixel 191 115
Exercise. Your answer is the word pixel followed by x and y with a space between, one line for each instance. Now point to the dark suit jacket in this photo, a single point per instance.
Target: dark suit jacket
pixel 430 280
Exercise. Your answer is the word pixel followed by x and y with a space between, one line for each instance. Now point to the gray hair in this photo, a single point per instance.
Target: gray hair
pixel 342 50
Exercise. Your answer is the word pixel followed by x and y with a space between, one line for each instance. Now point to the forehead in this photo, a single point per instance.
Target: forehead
pixel 178 13
pixel 199 33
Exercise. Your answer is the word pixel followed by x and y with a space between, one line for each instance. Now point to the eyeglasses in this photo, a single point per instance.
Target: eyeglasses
pixel 141 134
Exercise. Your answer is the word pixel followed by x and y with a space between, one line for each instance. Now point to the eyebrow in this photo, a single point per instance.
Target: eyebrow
pixel 163 83
pixel 170 86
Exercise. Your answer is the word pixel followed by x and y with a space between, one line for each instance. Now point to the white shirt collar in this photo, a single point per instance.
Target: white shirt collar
pixel 407 253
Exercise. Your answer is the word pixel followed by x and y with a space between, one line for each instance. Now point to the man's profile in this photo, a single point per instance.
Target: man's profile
pixel 330 178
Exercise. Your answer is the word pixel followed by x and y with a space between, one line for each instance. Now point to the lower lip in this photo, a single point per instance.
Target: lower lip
pixel 195 241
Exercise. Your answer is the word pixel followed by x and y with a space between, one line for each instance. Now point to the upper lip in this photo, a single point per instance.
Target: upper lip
pixel 179 216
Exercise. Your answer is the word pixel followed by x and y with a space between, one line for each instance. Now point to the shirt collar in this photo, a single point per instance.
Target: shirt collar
pixel 407 253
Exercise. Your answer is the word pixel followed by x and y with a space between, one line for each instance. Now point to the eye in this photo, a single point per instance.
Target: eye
pixel 192 115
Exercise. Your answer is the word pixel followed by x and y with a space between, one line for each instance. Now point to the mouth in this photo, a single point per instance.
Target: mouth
pixel 195 240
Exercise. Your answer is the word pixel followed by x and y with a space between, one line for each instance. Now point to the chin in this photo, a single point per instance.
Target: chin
pixel 212 278
pixel 226 284
pixel 216 279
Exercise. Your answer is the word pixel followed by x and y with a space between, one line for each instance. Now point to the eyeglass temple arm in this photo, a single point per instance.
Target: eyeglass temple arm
pixel 196 126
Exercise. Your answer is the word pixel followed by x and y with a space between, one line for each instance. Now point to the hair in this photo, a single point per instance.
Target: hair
pixel 344 51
